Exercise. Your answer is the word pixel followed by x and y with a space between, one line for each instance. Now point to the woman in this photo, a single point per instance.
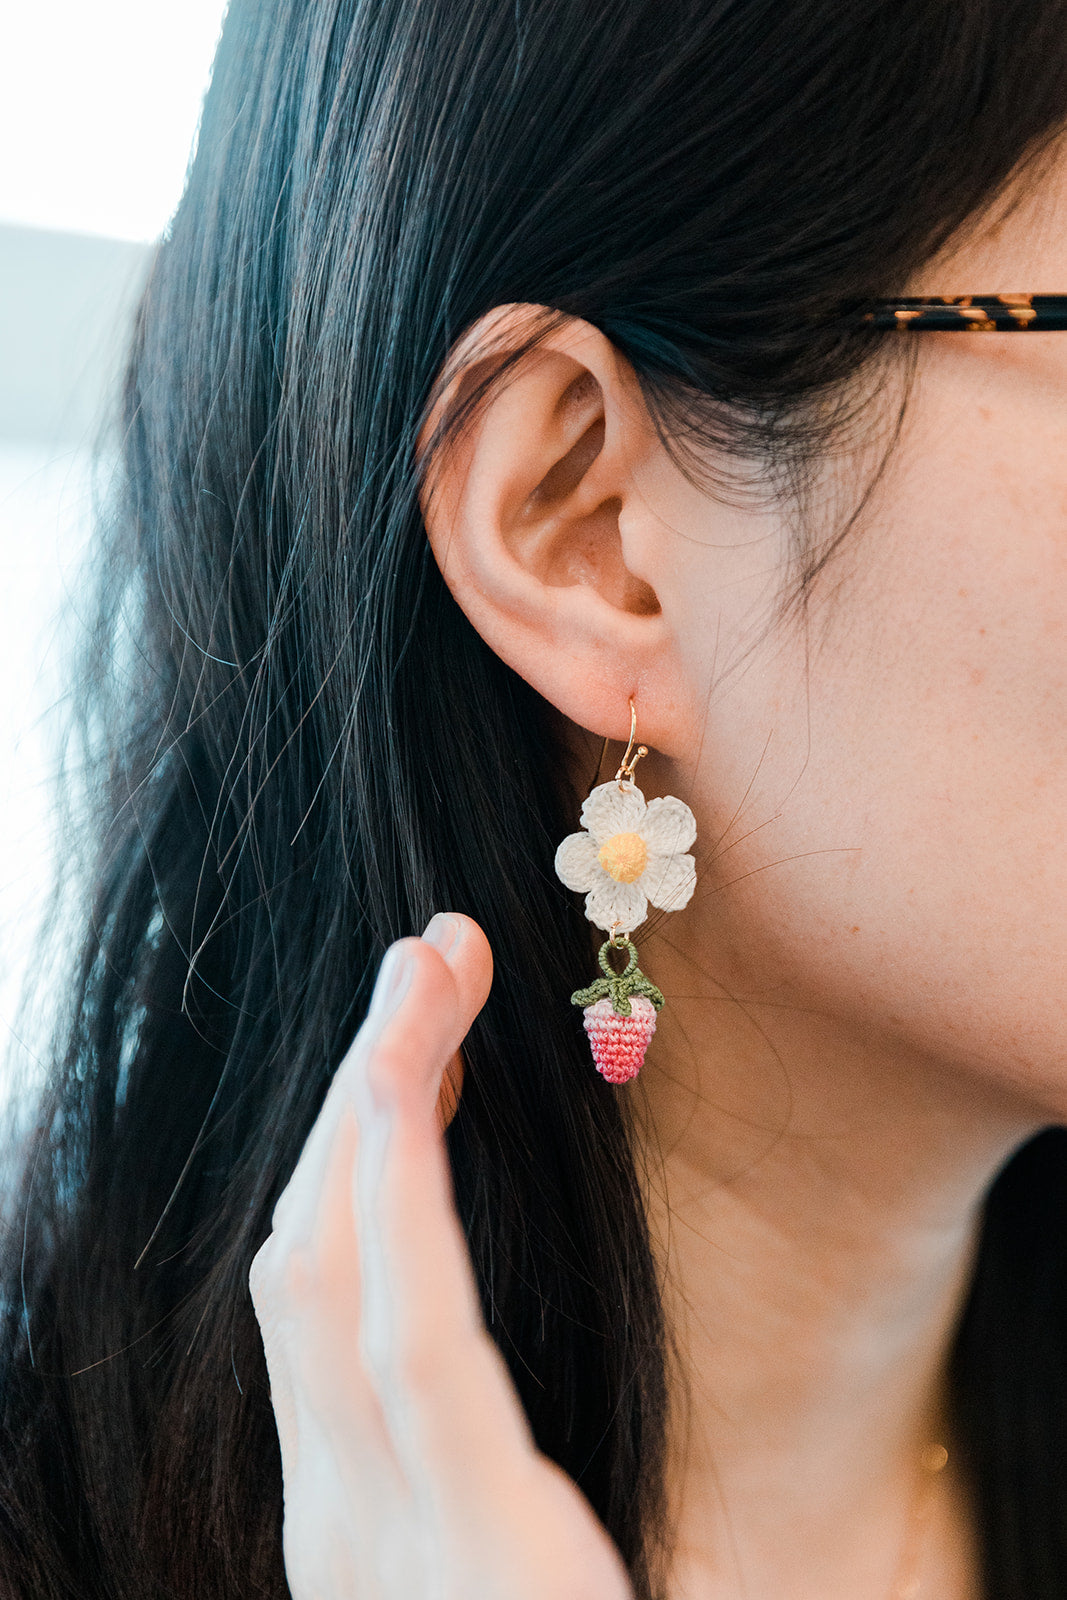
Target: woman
pixel 503 376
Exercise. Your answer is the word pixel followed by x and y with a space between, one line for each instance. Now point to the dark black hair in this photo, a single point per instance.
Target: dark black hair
pixel 295 748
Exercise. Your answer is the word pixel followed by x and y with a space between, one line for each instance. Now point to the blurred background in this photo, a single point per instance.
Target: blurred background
pixel 99 105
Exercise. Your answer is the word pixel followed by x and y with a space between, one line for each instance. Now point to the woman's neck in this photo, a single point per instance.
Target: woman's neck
pixel 815 1208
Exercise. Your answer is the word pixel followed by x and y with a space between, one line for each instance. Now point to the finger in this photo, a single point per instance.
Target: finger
pixel 294 1210
pixel 418 1015
pixel 468 953
pixel 443 1386
pixel 408 1055
pixel 468 962
pixel 306 1281
pixel 455 1418
pixel 307 1296
pixel 310 1268
pixel 308 1290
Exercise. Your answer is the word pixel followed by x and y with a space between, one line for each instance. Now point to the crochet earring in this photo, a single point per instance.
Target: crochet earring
pixel 631 853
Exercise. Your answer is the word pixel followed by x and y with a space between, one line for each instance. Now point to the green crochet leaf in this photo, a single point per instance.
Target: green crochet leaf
pixel 618 986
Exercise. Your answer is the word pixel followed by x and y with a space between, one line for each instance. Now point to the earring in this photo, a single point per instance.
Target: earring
pixel 631 853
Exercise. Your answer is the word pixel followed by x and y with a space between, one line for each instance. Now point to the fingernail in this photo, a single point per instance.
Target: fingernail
pixel 441 931
pixel 394 975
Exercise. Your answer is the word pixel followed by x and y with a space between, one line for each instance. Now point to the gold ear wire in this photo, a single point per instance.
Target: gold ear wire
pixel 626 770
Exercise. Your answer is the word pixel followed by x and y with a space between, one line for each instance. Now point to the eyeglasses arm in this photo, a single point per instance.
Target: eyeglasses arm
pixel 972 313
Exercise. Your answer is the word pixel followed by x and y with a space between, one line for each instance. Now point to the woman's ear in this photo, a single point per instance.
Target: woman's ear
pixel 536 522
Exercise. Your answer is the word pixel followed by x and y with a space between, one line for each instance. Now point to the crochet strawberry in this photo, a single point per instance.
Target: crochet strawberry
pixel 620 1015
pixel 619 1042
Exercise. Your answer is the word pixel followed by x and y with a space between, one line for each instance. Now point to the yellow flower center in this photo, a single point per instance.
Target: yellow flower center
pixel 624 857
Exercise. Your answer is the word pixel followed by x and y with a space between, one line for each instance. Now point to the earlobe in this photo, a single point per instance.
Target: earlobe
pixel 534 520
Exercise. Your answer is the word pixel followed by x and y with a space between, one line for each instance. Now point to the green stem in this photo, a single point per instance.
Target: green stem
pixel 618 986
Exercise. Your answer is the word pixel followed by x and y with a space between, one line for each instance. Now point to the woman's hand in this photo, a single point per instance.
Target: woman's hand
pixel 409 1469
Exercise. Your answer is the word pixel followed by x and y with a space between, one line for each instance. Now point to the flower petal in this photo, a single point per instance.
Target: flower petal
pixel 576 862
pixel 669 826
pixel 669 881
pixel 610 902
pixel 607 812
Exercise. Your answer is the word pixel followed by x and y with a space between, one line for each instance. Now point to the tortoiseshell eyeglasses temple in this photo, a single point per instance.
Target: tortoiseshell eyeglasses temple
pixel 971 313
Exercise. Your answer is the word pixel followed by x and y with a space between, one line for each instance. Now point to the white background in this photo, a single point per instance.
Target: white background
pixel 99 101
pixel 99 104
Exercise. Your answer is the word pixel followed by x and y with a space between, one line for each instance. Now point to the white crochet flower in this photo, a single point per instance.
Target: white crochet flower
pixel 632 853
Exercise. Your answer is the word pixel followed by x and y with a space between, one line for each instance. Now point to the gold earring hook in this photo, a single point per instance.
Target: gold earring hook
pixel 626 770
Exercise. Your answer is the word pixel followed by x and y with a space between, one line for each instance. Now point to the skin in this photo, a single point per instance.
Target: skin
pixel 864 996
pixel 407 1462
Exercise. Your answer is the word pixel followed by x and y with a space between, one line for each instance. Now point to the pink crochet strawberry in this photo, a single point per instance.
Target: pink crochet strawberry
pixel 619 1043
pixel 620 1015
